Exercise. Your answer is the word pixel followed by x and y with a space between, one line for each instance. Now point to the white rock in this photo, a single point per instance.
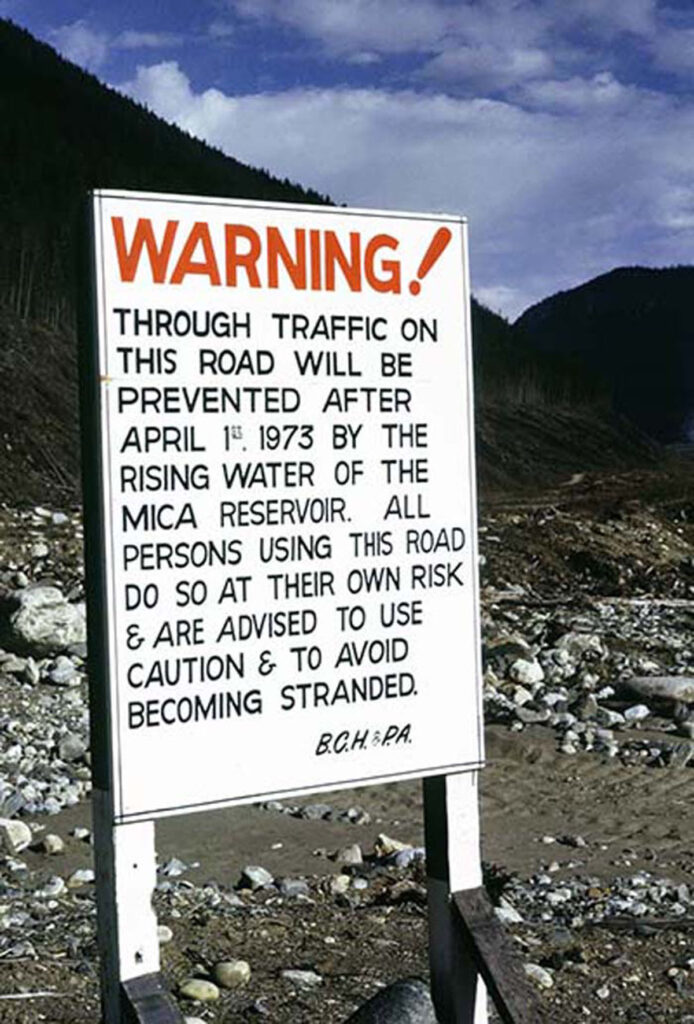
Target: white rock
pixel 340 884
pixel 232 973
pixel 507 913
pixel 199 989
pixel 254 877
pixel 521 696
pixel 82 876
pixel 302 979
pixel 45 623
pixel 52 844
pixel 385 845
pixel 609 718
pixel 527 672
pixel 581 644
pixel 15 835
pixel 350 855
pixel 55 886
pixel 539 975
pixel 637 713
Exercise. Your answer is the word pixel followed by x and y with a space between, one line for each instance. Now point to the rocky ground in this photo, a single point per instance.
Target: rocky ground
pixel 588 607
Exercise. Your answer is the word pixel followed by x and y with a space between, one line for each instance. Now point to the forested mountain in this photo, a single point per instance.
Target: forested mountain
pixel 634 329
pixel 63 132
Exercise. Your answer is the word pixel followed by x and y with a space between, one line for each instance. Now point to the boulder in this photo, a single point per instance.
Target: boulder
pixel 405 1002
pixel 43 623
pixel 674 688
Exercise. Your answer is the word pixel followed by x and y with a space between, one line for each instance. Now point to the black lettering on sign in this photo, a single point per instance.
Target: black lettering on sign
pixel 369 581
pixel 181 633
pixel 401 613
pixel 190 592
pixel 427 542
pixel 150 714
pixel 282 512
pixel 307 657
pixel 286 586
pixel 295 547
pixel 158 517
pixel 356 652
pixel 186 400
pixel 147 360
pixel 433 575
pixel 153 556
pixel 330 328
pixel 324 363
pixel 406 506
pixel 161 439
pixel 372 544
pixel 235 589
pixel 180 323
pixel 368 399
pixel 406 435
pixel 353 618
pixel 147 596
pixel 347 741
pixel 406 471
pixel 396 364
pixel 268 624
pixel 187 670
pixel 354 690
pixel 274 438
pixel 345 435
pixel 347 473
pixel 227 362
pixel 268 474
pixel 419 330
pixel 165 476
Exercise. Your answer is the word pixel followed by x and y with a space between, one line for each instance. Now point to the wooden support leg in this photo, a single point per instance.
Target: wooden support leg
pixel 452 831
pixel 125 868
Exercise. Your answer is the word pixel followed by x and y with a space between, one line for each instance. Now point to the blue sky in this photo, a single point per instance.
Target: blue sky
pixel 564 129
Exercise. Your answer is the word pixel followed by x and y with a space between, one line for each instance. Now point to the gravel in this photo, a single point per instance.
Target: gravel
pixel 599 657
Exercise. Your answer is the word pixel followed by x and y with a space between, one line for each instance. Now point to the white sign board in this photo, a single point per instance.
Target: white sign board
pixel 287 498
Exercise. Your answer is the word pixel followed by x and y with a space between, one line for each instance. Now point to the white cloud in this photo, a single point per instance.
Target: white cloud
pixel 580 95
pixel 91 48
pixel 387 26
pixel 533 28
pixel 551 199
pixel 81 44
pixel 638 17
pixel 220 29
pixel 130 40
pixel 500 298
pixel 488 66
pixel 673 50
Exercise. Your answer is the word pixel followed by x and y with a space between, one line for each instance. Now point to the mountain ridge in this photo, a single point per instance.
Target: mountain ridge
pixel 632 328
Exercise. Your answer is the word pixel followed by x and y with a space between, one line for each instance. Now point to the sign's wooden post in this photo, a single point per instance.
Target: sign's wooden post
pixel 124 854
pixel 127 926
pixel 451 822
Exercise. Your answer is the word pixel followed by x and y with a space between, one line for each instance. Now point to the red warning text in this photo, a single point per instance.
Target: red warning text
pixel 236 255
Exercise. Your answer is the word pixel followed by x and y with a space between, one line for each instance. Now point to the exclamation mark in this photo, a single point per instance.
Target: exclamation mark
pixel 436 247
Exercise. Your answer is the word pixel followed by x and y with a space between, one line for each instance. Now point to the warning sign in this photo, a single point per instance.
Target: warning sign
pixel 282 407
